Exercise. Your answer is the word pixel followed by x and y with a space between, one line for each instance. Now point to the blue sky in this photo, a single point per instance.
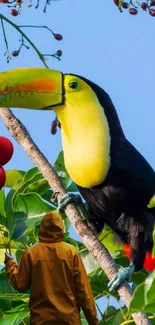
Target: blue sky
pixel 114 50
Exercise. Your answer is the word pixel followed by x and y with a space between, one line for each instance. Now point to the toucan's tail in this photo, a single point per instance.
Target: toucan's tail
pixel 149 263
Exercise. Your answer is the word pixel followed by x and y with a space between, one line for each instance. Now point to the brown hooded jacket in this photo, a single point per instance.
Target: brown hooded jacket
pixel 55 273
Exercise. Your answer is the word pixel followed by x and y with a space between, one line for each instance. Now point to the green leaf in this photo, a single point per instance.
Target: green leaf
pixel 5 243
pixel 67 223
pixel 150 288
pixel 19 253
pixel 60 168
pixel 153 251
pixel 31 173
pixel 6 289
pixel 139 277
pixel 22 189
pixel 40 187
pixel 138 301
pixel 71 187
pixel 29 210
pixel 14 318
pixel 59 164
pixel 18 308
pixel 47 196
pixel 144 296
pixel 119 317
pixel 98 282
pixel 12 177
pixel 88 260
pixel 3 220
pixel 83 319
pixel 109 240
pixel 150 308
pixel 2 203
pixel 110 311
pixel 15 296
pixel 9 211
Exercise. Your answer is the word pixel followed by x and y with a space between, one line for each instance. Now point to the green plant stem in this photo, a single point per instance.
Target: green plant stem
pixel 24 244
pixel 132 320
pixel 121 310
pixel 25 36
pixel 99 310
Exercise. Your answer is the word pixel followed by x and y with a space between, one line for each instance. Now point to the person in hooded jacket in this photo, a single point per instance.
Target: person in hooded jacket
pixel 55 273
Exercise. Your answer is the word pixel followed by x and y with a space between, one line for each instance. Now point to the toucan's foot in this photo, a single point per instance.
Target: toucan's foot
pixel 71 197
pixel 67 198
pixel 123 273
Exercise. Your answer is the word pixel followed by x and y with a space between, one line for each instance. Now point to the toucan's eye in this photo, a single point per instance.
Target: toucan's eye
pixel 73 84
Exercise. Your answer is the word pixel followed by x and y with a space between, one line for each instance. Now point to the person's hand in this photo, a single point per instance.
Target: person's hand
pixel 8 257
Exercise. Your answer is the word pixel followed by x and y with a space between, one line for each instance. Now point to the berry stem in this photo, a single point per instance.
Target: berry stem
pixel 34 26
pixel 26 37
pixel 133 4
pixel 53 55
pixel 6 42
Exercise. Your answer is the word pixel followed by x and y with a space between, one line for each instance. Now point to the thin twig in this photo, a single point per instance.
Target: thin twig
pixel 6 42
pixel 98 250
pixel 26 37
pixel 34 26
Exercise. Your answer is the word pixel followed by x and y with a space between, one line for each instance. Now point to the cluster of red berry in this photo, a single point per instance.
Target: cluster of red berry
pixel 133 10
pixel 58 53
pixel 15 11
pixel 54 126
pixel 15 4
pixel 6 152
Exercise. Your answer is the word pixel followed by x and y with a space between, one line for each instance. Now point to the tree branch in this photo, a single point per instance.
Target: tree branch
pixel 99 252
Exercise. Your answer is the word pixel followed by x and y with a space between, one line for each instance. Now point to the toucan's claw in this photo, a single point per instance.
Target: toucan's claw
pixel 71 197
pixel 124 273
pixel 67 198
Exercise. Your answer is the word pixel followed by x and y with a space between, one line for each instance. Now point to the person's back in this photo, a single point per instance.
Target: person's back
pixel 54 271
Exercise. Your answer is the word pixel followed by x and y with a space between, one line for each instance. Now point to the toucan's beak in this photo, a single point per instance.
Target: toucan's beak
pixel 34 88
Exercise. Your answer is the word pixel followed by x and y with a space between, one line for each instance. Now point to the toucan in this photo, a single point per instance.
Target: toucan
pixel 114 179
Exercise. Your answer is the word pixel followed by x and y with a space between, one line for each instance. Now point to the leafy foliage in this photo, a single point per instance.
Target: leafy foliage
pixel 21 210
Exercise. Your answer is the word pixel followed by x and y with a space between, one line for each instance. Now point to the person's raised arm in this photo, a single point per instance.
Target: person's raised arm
pixel 19 275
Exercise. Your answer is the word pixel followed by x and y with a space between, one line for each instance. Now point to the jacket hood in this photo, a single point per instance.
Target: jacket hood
pixel 51 228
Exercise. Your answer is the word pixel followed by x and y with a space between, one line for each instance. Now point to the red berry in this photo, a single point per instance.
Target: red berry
pixel 116 2
pixel 14 12
pixel 15 53
pixel 54 124
pixel 19 1
pixel 53 130
pixel 133 11
pixel 54 127
pixel 125 5
pixel 6 150
pixel 144 5
pixel 58 37
pixel 152 12
pixel 4 1
pixel 59 53
pixel 152 4
pixel 2 177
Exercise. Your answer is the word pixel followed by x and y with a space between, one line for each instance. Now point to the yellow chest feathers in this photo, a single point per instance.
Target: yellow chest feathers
pixel 86 142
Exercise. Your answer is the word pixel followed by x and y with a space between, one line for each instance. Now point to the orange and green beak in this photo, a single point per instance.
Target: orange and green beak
pixel 33 88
